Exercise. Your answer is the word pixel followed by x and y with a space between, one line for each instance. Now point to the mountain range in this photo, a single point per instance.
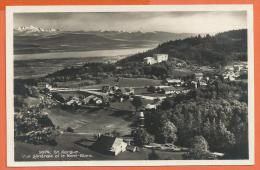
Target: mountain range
pixel 33 39
pixel 33 29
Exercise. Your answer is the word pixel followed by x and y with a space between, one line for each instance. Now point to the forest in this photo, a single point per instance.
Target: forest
pixel 216 50
pixel 213 114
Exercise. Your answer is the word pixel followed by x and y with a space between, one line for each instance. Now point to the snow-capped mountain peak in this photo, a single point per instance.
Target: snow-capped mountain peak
pixel 32 29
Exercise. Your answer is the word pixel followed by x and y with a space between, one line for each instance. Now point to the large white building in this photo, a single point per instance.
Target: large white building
pixel 149 60
pixel 160 57
pixel 157 58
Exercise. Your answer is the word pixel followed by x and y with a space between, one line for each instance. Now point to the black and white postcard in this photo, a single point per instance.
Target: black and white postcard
pixel 130 85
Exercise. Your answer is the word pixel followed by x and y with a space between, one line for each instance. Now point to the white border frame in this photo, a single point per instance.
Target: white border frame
pixel 10 10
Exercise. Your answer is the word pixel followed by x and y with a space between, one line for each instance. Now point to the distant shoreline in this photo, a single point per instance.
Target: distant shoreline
pixel 41 64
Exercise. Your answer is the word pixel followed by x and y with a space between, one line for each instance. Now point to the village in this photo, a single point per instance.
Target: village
pixel 150 96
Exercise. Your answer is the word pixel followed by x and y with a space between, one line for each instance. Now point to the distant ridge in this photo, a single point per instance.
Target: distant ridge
pixel 31 39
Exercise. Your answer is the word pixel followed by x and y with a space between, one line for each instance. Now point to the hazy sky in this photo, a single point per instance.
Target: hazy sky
pixel 190 22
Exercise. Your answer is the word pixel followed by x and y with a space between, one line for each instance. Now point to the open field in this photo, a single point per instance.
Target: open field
pixel 127 106
pixel 68 142
pixel 92 121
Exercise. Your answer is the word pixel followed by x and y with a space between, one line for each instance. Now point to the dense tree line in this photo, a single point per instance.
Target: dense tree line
pixel 32 125
pixel 90 71
pixel 215 113
pixel 215 50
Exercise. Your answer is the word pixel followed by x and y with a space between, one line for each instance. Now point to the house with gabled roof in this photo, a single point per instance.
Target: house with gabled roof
pixel 110 145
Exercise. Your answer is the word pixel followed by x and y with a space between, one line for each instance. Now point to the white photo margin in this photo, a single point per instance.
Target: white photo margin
pixel 10 10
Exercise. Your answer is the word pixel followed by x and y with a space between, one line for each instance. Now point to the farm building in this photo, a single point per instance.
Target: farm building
pixel 110 145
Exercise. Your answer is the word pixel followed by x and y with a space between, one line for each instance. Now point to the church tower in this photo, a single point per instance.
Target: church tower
pixel 141 119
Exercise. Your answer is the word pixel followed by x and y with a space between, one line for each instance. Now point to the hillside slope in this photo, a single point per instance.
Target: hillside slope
pixel 208 50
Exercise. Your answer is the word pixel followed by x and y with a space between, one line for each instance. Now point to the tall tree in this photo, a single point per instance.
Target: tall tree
pixel 199 142
pixel 167 132
pixel 137 102
pixel 142 137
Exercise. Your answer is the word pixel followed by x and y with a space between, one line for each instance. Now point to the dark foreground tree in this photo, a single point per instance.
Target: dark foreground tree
pixel 142 137
pixel 167 132
pixel 167 104
pixel 199 142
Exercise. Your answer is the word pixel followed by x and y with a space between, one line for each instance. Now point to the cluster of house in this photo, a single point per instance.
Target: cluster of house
pixel 174 87
pixel 156 58
pixel 119 92
pixel 233 72
pixel 197 79
pixel 177 86
pixel 78 101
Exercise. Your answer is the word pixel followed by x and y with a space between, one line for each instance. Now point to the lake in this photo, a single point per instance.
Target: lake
pixel 41 64
pixel 80 54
